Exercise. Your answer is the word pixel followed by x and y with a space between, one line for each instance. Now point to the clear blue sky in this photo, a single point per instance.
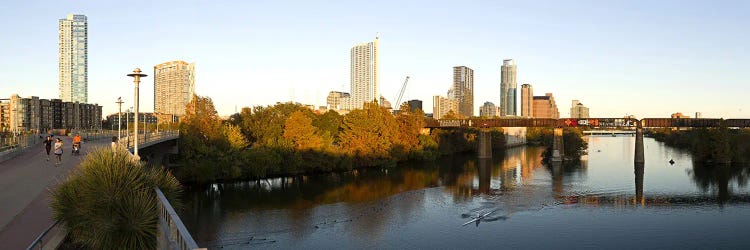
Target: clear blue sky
pixel 648 58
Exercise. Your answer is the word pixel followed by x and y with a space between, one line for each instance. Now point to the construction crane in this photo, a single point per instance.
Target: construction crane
pixel 401 94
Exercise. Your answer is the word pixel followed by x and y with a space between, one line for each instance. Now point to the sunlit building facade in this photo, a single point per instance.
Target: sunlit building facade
pixel 508 87
pixel 174 87
pixel 545 107
pixel 463 90
pixel 364 74
pixel 73 58
pixel 527 100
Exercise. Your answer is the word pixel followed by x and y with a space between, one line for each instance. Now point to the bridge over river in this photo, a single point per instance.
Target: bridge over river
pixel 485 145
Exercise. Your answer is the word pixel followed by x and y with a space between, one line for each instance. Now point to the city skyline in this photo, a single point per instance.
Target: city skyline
pixel 682 60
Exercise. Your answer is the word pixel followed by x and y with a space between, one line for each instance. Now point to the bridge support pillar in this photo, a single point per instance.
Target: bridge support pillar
pixel 558 152
pixel 484 145
pixel 639 146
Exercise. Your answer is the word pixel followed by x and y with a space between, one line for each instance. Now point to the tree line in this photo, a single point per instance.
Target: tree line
pixel 290 139
pixel 708 145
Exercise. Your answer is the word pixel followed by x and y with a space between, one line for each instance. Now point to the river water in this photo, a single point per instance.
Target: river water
pixel 603 202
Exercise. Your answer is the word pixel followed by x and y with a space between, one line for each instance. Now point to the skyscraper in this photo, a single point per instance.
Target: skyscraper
pixel 73 59
pixel 364 73
pixel 527 100
pixel 174 87
pixel 508 88
pixel 463 87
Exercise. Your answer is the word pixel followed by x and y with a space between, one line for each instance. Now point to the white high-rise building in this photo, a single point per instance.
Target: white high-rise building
pixel 174 87
pixel 364 74
pixel 73 59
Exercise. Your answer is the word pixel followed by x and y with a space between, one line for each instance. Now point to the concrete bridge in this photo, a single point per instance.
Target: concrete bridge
pixel 485 146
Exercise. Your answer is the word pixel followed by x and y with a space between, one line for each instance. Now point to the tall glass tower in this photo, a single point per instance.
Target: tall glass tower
pixel 508 88
pixel 73 59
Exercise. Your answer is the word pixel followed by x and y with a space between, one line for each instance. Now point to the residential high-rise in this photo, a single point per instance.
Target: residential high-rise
pixel 577 110
pixel 174 87
pixel 38 115
pixel 73 59
pixel 442 105
pixel 527 100
pixel 508 88
pixel 364 73
pixel 488 110
pixel 545 107
pixel 463 90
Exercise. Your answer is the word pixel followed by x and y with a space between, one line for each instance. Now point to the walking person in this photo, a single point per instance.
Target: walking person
pixel 48 145
pixel 58 151
pixel 114 143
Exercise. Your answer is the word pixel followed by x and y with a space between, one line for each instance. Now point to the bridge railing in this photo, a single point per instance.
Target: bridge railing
pixel 173 234
pixel 12 146
pixel 128 141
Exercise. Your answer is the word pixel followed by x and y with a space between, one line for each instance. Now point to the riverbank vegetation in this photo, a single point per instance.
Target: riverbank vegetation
pixel 290 139
pixel 574 146
pixel 708 145
pixel 109 202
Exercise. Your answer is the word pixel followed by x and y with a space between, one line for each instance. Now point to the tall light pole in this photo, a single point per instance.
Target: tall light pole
pixel 119 118
pixel 137 80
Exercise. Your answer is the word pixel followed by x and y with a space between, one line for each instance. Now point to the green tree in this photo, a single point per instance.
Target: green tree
pixel 110 202
pixel 329 122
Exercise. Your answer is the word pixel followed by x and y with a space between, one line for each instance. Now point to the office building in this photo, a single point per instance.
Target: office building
pixel 174 87
pixel 545 107
pixel 527 100
pixel 73 59
pixel 364 74
pixel 508 88
pixel 488 110
pixel 577 110
pixel 442 105
pixel 415 105
pixel 463 90
pixel 698 115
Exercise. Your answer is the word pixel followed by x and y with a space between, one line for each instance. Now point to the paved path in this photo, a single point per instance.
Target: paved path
pixel 24 196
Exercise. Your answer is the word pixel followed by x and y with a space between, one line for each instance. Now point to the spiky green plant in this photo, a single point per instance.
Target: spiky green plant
pixel 109 202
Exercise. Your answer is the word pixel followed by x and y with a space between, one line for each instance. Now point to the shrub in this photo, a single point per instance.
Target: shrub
pixel 109 201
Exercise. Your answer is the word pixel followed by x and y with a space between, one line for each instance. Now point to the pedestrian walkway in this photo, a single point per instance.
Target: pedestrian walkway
pixel 24 184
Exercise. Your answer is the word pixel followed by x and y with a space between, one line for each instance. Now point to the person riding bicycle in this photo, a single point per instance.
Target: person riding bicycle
pixel 76 143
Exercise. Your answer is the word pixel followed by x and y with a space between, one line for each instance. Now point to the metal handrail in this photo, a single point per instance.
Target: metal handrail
pixel 38 241
pixel 177 235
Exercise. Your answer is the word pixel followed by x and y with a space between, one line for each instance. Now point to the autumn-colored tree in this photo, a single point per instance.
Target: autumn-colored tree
pixel 407 136
pixel 368 134
pixel 299 130
pixel 264 126
pixel 205 152
pixel 452 115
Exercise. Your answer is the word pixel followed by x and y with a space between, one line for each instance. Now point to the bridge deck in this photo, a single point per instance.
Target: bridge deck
pixel 589 122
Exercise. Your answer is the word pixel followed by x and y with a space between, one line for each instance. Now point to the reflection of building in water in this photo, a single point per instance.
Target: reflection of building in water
pixel 514 136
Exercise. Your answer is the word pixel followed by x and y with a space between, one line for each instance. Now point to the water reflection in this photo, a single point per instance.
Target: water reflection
pixel 369 205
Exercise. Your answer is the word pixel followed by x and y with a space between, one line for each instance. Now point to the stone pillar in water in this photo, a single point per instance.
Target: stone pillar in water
pixel 484 146
pixel 639 169
pixel 557 145
pixel 639 145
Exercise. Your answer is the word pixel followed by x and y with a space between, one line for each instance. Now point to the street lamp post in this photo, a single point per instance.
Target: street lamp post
pixel 137 80
pixel 119 118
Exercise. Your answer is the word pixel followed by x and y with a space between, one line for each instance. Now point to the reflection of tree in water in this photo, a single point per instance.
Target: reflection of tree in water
pixel 719 178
